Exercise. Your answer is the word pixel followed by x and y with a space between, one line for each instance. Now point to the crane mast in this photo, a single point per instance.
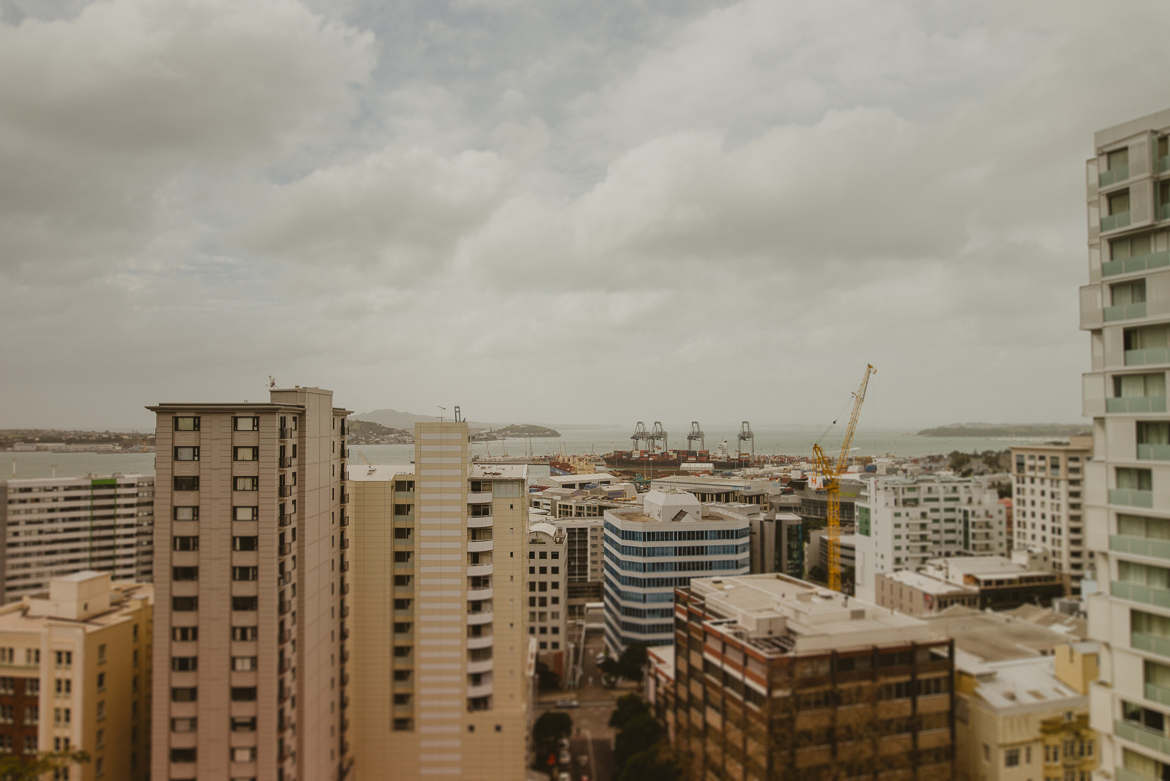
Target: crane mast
pixel 832 472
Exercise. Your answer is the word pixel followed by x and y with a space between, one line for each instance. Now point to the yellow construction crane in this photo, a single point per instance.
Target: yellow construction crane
pixel 832 473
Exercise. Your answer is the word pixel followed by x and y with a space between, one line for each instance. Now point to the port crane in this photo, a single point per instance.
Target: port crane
pixel 696 435
pixel 658 434
pixel 746 435
pixel 832 473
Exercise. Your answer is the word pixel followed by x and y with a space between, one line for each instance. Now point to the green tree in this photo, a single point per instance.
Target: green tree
pixel 17 768
pixel 611 670
pixel 548 729
pixel 633 661
pixel 628 707
pixel 547 680
pixel 657 763
pixel 640 734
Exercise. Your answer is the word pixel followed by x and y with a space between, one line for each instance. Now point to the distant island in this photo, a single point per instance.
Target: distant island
pixel 515 431
pixel 1007 430
pixel 364 432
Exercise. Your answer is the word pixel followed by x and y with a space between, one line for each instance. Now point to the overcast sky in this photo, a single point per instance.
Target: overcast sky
pixel 553 210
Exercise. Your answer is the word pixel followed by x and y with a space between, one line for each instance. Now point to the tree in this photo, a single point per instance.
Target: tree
pixel 611 669
pixel 628 707
pixel 549 728
pixel 17 768
pixel 547 680
pixel 639 734
pixel 633 661
pixel 657 763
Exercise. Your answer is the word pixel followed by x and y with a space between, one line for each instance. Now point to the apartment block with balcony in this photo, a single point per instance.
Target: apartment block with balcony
pixel 75 674
pixel 652 551
pixel 251 539
pixel 56 526
pixel 439 651
pixel 1125 307
pixel 777 678
pixel 902 522
pixel 1048 505
pixel 547 591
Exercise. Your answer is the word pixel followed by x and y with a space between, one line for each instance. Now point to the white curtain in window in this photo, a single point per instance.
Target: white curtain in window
pixel 1132 385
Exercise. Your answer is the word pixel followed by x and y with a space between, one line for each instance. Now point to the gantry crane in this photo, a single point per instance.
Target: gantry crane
pixel 832 473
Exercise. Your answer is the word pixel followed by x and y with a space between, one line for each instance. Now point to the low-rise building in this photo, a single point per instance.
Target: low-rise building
pixel 75 675
pixel 720 490
pixel 916 594
pixel 903 522
pixel 1002 583
pixel 650 552
pixel 778 678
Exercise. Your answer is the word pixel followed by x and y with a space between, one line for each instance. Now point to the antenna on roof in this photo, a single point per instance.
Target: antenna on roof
pixel 442 410
pixel 271 382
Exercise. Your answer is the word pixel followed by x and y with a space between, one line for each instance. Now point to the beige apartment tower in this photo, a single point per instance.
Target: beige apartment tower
pixel 440 653
pixel 1047 500
pixel 249 633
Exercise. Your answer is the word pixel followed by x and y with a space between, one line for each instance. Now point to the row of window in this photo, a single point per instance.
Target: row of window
pixel 677 536
pixel 704 565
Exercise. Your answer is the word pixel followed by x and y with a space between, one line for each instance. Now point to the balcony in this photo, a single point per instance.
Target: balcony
pixel 285 519
pixel 479 546
pixel 1150 644
pixel 1156 693
pixel 478 594
pixel 1131 497
pixel 345 565
pixel 1133 404
pixel 1113 222
pixel 284 432
pixel 345 543
pixel 479 617
pixel 1142 736
pixel 479 522
pixel 1153 452
pixel 484 666
pixel 1164 211
pixel 483 641
pixel 344 519
pixel 1137 546
pixel 285 491
pixel 479 497
pixel 479 570
pixel 285 463
pixel 345 497
pixel 1137 263
pixel 285 606
pixel 1113 176
pixel 1137 593
pixel 1125 312
pixel 482 690
pixel 285 549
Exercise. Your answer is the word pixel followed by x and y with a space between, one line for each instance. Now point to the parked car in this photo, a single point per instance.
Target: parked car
pixel 565 758
pixel 566 703
pixel 563 776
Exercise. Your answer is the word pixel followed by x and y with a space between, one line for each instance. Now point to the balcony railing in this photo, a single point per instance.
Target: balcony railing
pixel 1113 175
pixel 285 519
pixel 1150 644
pixel 1131 497
pixel 284 432
pixel 345 543
pixel 1164 211
pixel 1125 404
pixel 1147 357
pixel 286 462
pixel 1158 549
pixel 1137 263
pixel 1125 312
pixel 344 519
pixel 1142 736
pixel 1114 221
pixel 1158 694
pixel 345 497
pixel 285 491
pixel 286 549
pixel 1153 452
pixel 1135 592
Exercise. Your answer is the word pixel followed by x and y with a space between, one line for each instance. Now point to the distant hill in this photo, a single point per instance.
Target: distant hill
pixel 392 418
pixel 1009 430
pixel 516 430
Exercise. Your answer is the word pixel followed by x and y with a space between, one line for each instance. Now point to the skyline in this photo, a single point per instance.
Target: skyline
pixel 554 213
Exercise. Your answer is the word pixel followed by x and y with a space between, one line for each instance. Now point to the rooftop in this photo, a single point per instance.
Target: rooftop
pixel 597 477
pixel 1016 683
pixel 375 473
pixel 925 583
pixel 498 472
pixel 994 637
pixel 782 615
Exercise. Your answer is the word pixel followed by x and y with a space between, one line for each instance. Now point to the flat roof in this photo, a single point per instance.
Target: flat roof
pixel 591 477
pixel 1016 683
pixel 926 583
pixel 498 471
pixel 996 637
pixel 374 473
pixel 638 516
pixel 14 616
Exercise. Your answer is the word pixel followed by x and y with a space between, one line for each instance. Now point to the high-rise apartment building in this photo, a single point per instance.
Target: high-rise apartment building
pixel 1048 504
pixel 75 671
pixel 777 678
pixel 904 521
pixel 1126 310
pixel 439 651
pixel 547 568
pixel 56 526
pixel 652 551
pixel 249 630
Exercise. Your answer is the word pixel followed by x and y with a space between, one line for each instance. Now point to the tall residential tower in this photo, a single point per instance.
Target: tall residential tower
pixel 249 634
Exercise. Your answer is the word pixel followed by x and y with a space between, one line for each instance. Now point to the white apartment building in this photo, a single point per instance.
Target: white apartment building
pixel 904 521
pixel 651 551
pixel 548 604
pixel 56 526
pixel 249 623
pixel 1126 310
pixel 439 650
pixel 1048 504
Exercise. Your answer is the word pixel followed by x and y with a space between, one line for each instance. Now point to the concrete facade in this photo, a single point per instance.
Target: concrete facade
pixel 440 590
pixel 1125 308
pixel 57 526
pixel 250 535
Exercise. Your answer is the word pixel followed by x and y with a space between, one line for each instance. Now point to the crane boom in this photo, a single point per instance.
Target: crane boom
pixel 832 472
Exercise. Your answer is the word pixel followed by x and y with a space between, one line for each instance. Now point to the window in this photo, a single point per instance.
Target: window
pixel 183 694
pixel 101 682
pixel 245 423
pixel 184 664
pixel 7 714
pixel 246 483
pixel 1119 202
pixel 183 755
pixel 183 725
pixel 1140 385
pixel 185 573
pixel 1134 479
pixel 243 694
pixel 245 543
pixel 1149 433
pixel 186 483
pixel 184 634
pixel 245 573
pixel 245 603
pixel 186 454
pixel 101 710
pixel 186 424
pixel 1130 247
pixel 64 658
pixel 7 685
pixel 403 725
pixel 184 604
pixel 243 664
pixel 185 543
pixel 244 754
pixel 246 513
pixel 186 513
pixel 32 714
pixel 243 724
pixel 244 634
pixel 245 453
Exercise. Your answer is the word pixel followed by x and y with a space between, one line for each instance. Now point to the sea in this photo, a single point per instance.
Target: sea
pixel 599 440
